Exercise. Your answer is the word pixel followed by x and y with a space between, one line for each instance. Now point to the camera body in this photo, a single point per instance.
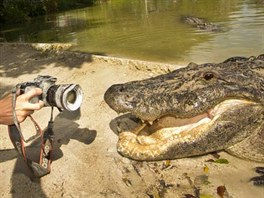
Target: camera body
pixel 62 96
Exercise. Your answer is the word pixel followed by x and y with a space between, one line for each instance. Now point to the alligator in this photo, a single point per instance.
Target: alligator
pixel 202 24
pixel 194 111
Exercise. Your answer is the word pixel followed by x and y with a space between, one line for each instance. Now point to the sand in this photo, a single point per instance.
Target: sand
pixel 86 163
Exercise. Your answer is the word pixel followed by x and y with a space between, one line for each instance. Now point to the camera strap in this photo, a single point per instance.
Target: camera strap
pixel 43 166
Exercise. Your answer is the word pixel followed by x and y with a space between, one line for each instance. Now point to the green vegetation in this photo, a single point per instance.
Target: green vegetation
pixel 15 11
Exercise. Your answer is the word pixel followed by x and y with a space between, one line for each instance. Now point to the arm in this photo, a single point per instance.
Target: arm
pixel 23 107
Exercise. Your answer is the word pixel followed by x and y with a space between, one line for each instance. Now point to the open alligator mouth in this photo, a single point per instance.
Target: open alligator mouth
pixel 170 137
pixel 186 124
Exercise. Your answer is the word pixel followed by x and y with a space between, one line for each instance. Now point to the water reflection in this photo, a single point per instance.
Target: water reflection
pixel 153 29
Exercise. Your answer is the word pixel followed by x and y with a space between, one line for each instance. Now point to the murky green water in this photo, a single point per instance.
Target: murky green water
pixel 153 29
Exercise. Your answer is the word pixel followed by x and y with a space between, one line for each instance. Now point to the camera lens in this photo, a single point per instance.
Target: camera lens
pixel 66 96
pixel 72 97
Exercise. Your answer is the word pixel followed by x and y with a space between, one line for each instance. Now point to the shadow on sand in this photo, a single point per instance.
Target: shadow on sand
pixel 65 128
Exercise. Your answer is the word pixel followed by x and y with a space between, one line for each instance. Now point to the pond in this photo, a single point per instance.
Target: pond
pixel 153 30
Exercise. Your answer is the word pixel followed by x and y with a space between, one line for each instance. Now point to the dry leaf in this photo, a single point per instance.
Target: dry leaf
pixel 221 191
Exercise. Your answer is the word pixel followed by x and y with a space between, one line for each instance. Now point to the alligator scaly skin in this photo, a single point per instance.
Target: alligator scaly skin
pixel 188 92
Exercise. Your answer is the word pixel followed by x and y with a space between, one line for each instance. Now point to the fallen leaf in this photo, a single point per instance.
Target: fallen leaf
pixel 210 160
pixel 166 164
pixel 221 191
pixel 206 196
pixel 206 169
pixel 222 161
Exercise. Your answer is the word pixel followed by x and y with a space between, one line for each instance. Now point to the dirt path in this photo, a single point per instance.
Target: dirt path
pixel 86 163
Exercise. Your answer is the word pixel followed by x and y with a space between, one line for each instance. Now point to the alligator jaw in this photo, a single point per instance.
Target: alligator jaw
pixel 184 137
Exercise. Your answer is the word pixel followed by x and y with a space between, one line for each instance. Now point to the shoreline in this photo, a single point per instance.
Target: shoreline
pixel 156 67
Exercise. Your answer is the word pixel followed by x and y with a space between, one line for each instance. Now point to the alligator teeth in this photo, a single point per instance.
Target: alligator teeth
pixel 150 122
pixel 146 122
pixel 140 128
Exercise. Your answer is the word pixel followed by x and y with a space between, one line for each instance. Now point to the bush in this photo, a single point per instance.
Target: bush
pixel 14 11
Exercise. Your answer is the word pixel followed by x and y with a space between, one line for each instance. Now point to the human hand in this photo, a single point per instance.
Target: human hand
pixel 23 107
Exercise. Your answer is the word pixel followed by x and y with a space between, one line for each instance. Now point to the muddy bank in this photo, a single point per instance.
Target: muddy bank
pixel 86 163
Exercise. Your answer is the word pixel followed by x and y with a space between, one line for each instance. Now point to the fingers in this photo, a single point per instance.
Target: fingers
pixel 23 100
pixel 24 108
pixel 30 106
pixel 31 94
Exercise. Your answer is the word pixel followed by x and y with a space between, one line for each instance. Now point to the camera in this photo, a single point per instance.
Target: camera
pixel 62 96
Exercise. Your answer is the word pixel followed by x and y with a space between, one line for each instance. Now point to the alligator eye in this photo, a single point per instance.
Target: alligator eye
pixel 208 76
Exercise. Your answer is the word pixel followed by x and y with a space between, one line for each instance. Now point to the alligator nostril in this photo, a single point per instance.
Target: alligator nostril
pixel 121 89
pixel 208 76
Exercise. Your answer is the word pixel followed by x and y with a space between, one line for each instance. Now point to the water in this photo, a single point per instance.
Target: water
pixel 153 30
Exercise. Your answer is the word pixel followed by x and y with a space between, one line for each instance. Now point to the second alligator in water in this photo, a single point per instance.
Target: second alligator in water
pixel 202 24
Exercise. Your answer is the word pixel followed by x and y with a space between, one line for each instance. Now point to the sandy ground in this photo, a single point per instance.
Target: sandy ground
pixel 86 163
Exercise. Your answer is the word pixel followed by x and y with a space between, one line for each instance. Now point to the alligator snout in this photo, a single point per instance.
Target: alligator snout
pixel 119 99
pixel 110 96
